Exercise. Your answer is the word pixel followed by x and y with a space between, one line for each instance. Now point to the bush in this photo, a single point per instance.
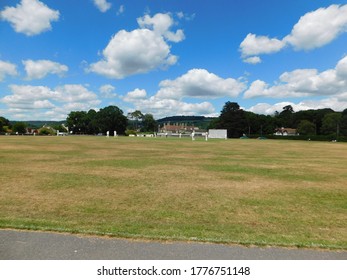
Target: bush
pixel 46 131
pixel 130 131
pixel 20 127
pixel 330 137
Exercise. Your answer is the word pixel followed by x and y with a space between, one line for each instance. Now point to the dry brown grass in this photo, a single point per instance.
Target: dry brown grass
pixel 241 191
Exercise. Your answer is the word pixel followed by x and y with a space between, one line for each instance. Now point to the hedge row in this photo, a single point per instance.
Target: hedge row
pixel 307 137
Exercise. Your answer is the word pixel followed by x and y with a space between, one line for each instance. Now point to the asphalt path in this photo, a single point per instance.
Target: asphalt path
pixel 33 245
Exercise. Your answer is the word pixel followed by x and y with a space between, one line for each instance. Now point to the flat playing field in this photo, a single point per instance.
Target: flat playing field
pixel 286 193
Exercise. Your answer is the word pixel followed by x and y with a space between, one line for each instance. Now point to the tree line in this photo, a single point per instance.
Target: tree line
pixel 110 119
pixel 307 123
pixel 325 122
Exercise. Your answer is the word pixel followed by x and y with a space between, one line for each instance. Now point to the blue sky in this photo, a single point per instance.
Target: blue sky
pixel 183 57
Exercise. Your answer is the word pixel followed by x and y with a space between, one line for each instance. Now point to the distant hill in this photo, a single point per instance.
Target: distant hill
pixel 181 119
pixel 199 121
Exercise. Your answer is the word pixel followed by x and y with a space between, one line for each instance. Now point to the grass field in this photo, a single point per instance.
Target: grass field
pixel 285 193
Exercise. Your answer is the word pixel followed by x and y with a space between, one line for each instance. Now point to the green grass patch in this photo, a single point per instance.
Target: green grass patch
pixel 285 193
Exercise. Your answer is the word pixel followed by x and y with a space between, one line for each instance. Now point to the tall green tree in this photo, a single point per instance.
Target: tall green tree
pixel 233 119
pixel 136 116
pixel 259 124
pixel 149 123
pixel 214 123
pixel 330 123
pixel 111 119
pixel 19 127
pixel 77 122
pixel 343 125
pixel 306 127
pixel 286 117
pixel 1 125
pixel 318 118
pixel 92 126
pixel 3 122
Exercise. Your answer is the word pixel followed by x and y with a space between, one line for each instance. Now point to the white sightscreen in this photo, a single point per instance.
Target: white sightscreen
pixel 217 133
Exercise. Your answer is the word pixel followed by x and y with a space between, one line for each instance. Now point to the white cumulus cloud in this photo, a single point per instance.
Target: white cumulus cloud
pixel 43 102
pixel 135 95
pixel 199 83
pixel 38 69
pixel 163 107
pixel 27 96
pixel 30 17
pixel 304 83
pixel 140 50
pixel 161 24
pixel 196 83
pixel 102 5
pixel 254 45
pixel 252 60
pixel 318 28
pixel 313 30
pixel 269 109
pixel 75 93
pixel 107 91
pixel 134 52
pixel 7 69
